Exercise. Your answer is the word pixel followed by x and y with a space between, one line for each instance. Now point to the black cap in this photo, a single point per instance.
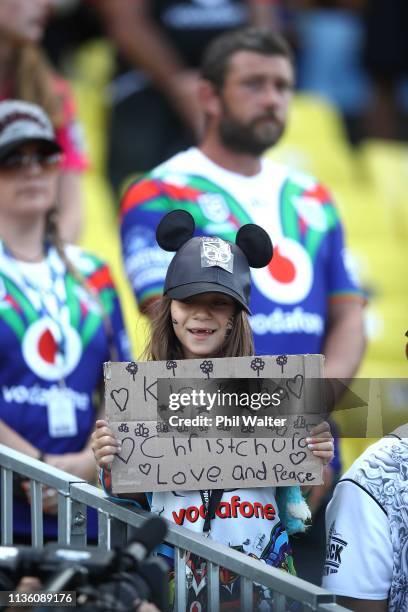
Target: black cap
pixel 210 264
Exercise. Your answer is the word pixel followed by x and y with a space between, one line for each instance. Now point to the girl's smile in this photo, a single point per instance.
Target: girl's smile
pixel 201 332
pixel 201 323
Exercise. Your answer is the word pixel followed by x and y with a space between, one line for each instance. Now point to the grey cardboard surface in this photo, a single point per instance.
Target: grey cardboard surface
pixel 149 462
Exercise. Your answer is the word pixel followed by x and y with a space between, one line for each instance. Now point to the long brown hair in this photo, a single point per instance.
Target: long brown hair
pixel 33 81
pixel 164 344
pixel 53 237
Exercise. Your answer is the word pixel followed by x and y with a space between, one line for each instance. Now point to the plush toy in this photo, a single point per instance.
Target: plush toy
pixel 293 509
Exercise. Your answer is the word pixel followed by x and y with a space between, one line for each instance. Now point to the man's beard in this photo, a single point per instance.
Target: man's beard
pixel 248 138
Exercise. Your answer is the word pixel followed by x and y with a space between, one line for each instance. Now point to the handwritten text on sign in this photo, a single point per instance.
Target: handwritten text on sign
pixel 151 463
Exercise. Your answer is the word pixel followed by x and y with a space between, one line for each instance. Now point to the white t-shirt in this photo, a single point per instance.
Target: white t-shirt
pixel 367 527
pixel 246 520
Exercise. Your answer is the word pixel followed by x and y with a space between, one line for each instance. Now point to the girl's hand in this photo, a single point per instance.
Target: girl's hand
pixel 321 442
pixel 104 445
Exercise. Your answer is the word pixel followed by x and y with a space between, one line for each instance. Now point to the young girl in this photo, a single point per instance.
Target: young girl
pixel 204 314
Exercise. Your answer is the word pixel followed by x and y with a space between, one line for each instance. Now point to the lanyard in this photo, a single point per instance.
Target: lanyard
pixel 211 500
pixel 56 292
pixel 56 283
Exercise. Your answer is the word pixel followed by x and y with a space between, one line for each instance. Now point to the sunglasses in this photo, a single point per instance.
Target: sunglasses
pixel 19 160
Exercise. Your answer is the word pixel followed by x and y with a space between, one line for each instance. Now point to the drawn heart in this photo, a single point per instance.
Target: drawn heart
pixel 120 397
pixel 297 458
pixel 128 446
pixel 295 385
pixel 145 468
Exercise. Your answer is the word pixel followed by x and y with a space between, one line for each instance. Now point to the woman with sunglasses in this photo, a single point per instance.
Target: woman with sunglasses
pixel 26 74
pixel 59 314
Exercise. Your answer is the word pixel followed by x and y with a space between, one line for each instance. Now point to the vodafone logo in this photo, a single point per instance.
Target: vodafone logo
pixel 289 276
pixel 232 509
pixel 40 350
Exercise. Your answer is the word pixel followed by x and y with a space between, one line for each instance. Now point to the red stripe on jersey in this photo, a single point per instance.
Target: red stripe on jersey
pixel 12 301
pixel 139 193
pixel 101 279
pixel 149 189
pixel 175 192
pixel 320 193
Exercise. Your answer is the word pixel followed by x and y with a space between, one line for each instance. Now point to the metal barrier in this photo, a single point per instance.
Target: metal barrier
pixel 114 527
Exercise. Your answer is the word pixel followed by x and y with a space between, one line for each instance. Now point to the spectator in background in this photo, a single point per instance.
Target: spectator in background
pixel 59 315
pixel 155 110
pixel 367 530
pixel 25 74
pixel 305 301
pixel 386 56
pixel 330 36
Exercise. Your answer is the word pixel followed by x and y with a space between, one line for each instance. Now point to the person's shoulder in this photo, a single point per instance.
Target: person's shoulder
pixel 91 266
pixel 164 180
pixel 297 179
pixel 180 162
pixel 376 453
pixel 380 468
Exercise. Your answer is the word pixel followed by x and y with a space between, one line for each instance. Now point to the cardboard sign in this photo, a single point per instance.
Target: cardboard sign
pixel 152 462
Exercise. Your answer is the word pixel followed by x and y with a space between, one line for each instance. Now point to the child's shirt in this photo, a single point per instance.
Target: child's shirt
pixel 246 520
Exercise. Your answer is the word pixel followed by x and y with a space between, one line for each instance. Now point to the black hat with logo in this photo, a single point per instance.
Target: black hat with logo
pixel 209 264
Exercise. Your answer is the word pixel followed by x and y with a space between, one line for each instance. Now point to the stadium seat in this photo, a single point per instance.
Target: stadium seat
pixel 385 166
pixel 315 141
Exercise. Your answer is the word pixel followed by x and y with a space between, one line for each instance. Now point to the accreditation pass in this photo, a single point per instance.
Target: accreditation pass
pixel 20 599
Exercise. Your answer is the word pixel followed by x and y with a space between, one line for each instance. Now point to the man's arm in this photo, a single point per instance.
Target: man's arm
pixel 145 46
pixel 363 605
pixel 265 13
pixel 11 438
pixel 345 341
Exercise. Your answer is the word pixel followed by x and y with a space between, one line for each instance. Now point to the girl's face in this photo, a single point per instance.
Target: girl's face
pixel 201 323
pixel 28 181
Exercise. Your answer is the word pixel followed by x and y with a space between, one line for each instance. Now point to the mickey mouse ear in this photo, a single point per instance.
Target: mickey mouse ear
pixel 256 244
pixel 174 230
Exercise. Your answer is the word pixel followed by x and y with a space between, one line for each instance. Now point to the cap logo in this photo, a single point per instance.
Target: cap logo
pixel 20 116
pixel 216 252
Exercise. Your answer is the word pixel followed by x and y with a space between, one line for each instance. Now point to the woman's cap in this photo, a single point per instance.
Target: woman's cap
pixel 209 264
pixel 22 122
